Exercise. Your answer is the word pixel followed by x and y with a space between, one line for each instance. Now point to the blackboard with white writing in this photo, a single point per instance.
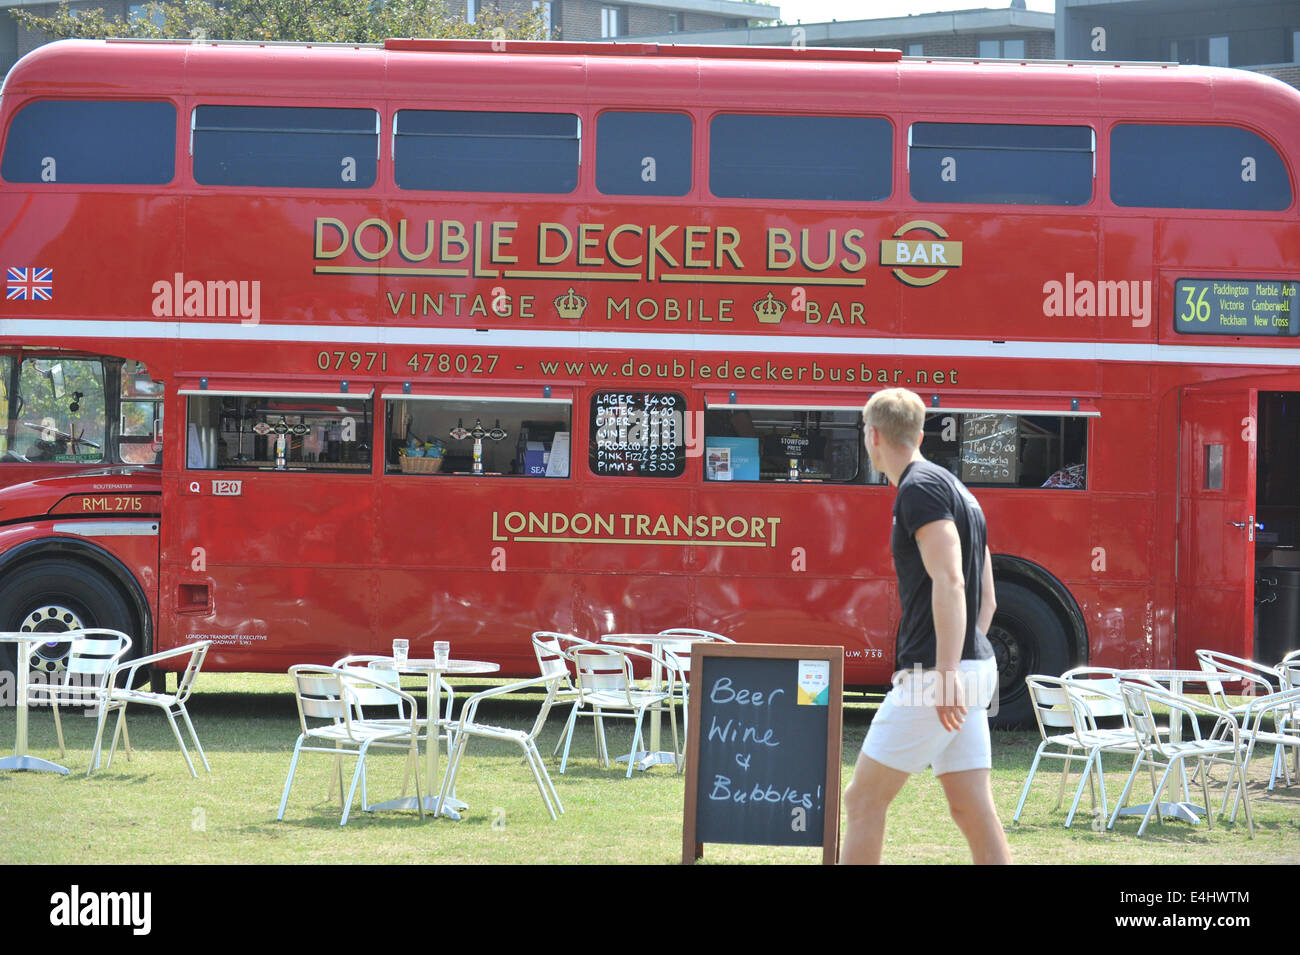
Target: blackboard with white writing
pixel 989 449
pixel 763 759
pixel 638 434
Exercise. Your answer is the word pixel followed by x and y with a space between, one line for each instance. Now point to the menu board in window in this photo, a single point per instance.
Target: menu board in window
pixel 638 433
pixel 988 449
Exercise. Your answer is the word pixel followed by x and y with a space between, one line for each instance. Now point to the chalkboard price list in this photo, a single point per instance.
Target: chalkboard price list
pixel 989 444
pixel 638 434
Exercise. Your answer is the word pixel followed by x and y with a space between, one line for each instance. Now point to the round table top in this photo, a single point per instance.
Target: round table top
pixel 654 638
pixel 27 636
pixel 431 666
pixel 1180 676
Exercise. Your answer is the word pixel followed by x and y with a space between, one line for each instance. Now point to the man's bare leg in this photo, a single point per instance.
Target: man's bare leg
pixel 970 800
pixel 866 803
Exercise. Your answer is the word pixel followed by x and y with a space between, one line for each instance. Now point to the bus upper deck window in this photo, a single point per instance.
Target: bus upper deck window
pixel 1195 167
pixel 1001 163
pixel 643 154
pixel 92 142
pixel 483 151
pixel 285 146
pixel 841 158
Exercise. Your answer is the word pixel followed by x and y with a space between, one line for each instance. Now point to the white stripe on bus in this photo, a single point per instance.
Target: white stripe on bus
pixel 359 335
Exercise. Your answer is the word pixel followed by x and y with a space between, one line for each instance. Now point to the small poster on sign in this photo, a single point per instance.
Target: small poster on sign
pixel 814 682
pixel 719 464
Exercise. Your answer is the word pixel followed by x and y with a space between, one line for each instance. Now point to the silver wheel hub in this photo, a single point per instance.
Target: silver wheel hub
pixel 52 619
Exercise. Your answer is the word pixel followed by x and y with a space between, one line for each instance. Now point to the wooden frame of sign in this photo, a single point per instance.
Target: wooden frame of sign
pixel 745 783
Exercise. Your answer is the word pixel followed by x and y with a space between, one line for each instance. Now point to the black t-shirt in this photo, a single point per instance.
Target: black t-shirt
pixel 926 493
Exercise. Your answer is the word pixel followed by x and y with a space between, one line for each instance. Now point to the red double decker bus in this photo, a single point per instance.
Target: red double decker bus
pixel 310 347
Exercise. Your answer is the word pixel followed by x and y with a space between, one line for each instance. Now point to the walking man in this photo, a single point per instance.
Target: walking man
pixel 945 663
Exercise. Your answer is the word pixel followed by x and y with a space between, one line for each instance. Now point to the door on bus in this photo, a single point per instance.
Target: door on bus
pixel 1216 522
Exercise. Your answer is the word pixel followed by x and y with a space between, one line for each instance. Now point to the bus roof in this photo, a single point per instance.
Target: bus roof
pixel 813 79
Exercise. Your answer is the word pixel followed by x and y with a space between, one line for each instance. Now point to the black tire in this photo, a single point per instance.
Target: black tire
pixel 55 595
pixel 1027 638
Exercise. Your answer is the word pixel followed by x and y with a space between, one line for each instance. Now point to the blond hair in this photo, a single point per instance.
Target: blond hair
pixel 898 414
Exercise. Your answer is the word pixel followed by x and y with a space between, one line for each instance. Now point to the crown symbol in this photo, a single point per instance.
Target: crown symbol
pixel 769 311
pixel 571 304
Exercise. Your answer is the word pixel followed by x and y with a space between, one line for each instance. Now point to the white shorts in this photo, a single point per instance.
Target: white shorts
pixel 906 734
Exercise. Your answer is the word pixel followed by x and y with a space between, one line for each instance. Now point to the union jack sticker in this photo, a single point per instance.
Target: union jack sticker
pixel 34 284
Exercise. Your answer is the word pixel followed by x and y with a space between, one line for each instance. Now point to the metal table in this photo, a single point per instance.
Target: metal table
pixel 452 806
pixel 654 756
pixel 20 760
pixel 1180 808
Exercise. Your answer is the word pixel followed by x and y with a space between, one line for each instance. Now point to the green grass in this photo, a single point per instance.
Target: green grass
pixel 150 809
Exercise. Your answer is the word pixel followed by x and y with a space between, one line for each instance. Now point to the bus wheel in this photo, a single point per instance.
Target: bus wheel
pixel 54 596
pixel 1027 638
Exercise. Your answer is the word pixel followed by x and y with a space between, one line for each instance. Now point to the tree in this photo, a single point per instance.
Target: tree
pixel 307 21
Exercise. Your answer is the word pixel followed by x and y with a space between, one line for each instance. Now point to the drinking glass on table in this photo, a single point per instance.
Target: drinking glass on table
pixel 401 649
pixel 441 651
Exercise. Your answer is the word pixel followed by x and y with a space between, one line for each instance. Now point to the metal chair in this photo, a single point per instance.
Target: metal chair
pixel 1058 703
pixel 551 649
pixel 92 660
pixel 469 727
pixel 678 656
pixel 1282 710
pixel 380 695
pixel 326 708
pixel 1258 678
pixel 1223 746
pixel 172 704
pixel 606 689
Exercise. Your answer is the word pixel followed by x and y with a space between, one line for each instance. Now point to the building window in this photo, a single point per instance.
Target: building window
pixel 1295 46
pixel 1002 49
pixel 916 49
pixel 137 11
pixel 1218 51
pixel 545 7
pixel 1202 50
pixel 674 23
pixel 471 11
pixel 613 21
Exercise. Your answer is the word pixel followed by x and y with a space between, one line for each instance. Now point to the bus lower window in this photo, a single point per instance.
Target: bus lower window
pixel 278 433
pixel 996 449
pixel 773 444
pixel 60 413
pixel 478 436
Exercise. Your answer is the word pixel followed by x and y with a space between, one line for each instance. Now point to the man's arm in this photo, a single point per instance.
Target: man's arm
pixel 940 548
pixel 988 602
